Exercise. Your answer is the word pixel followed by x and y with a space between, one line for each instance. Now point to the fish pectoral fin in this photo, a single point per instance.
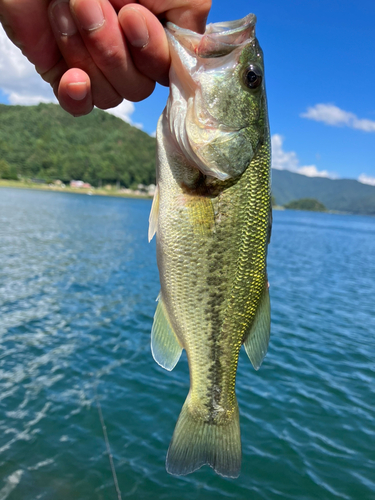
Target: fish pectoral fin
pixel 256 342
pixel 165 347
pixel 154 214
pixel 201 214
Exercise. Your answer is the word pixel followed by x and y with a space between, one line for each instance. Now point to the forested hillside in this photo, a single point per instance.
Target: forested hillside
pixel 47 143
pixel 44 142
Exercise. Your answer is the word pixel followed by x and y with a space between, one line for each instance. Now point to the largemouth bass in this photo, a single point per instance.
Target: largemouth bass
pixel 212 217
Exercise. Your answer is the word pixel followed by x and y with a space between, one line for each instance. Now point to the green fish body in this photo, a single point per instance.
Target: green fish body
pixel 212 217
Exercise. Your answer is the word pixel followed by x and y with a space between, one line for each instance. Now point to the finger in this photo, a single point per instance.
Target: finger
pixel 54 74
pixel 35 38
pixel 72 88
pixel 147 42
pixel 104 40
pixel 74 92
pixel 189 14
pixel 77 56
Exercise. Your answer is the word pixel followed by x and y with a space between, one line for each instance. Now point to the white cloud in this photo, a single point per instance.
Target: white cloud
pixel 282 160
pixel 27 99
pixel 124 111
pixel 288 160
pixel 312 171
pixel 336 117
pixel 366 179
pixel 18 78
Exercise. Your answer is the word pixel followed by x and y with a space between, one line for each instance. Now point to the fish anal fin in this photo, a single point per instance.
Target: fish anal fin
pixel 154 214
pixel 165 346
pixel 197 442
pixel 256 341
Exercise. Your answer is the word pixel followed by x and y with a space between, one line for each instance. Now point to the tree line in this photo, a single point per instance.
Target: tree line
pixel 44 142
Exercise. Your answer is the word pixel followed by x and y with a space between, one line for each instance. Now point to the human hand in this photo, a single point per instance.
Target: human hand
pixel 98 52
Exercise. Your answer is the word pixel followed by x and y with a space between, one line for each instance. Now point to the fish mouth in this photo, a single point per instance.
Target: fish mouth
pixel 218 40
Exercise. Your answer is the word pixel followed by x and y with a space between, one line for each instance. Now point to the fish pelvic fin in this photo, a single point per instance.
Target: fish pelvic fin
pixel 154 214
pixel 197 442
pixel 256 341
pixel 165 346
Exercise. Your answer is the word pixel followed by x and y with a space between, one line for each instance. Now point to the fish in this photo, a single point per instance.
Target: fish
pixel 212 217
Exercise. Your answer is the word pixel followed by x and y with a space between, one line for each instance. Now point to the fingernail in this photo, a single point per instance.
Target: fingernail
pixel 136 31
pixel 63 18
pixel 89 14
pixel 77 90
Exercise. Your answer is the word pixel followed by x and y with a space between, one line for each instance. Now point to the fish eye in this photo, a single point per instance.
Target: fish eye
pixel 253 77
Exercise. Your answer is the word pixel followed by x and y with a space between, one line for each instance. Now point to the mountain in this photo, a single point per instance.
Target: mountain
pixel 344 195
pixel 47 143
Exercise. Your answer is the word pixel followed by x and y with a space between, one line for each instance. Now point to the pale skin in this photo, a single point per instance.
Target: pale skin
pixel 99 52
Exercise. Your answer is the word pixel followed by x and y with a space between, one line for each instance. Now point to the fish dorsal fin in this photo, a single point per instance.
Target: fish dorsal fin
pixel 154 214
pixel 256 342
pixel 165 346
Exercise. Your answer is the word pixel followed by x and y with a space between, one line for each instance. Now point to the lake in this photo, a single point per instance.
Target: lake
pixel 78 283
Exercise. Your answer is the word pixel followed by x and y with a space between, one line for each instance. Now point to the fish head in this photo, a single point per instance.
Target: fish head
pixel 217 108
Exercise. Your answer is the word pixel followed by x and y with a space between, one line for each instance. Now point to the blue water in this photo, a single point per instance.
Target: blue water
pixel 78 283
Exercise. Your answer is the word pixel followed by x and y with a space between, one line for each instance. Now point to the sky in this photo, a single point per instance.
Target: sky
pixel 320 76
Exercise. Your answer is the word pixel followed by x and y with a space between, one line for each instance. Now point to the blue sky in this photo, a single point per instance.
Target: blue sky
pixel 320 74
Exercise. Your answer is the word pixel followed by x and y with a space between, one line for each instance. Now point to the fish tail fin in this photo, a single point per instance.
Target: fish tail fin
pixel 196 442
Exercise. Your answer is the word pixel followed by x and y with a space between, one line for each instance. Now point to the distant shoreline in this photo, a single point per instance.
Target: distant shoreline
pixel 114 192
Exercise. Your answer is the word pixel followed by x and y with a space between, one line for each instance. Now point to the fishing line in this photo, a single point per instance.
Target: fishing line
pixel 107 445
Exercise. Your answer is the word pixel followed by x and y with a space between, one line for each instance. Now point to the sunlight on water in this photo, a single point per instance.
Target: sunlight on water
pixel 78 283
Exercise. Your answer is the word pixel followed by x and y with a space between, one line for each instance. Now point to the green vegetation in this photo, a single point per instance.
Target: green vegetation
pixel 45 142
pixel 6 171
pixel 306 204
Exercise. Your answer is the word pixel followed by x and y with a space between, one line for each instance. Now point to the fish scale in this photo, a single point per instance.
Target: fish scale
pixel 212 233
